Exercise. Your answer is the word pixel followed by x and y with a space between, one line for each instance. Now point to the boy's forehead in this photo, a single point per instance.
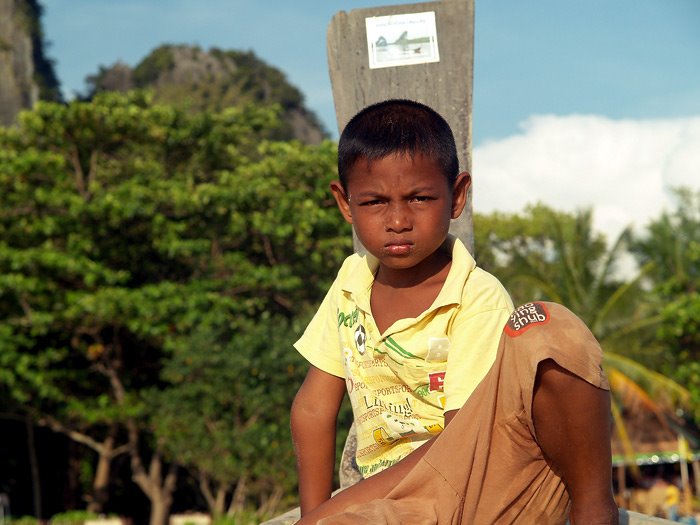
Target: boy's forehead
pixel 365 164
pixel 364 171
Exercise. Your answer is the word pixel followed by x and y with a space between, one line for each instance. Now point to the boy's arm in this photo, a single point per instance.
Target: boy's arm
pixel 572 422
pixel 313 421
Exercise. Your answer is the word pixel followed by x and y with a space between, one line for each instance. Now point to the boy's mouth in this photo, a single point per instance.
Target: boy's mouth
pixel 400 247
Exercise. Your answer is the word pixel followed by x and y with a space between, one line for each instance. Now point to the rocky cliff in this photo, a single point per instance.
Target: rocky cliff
pixel 214 79
pixel 26 74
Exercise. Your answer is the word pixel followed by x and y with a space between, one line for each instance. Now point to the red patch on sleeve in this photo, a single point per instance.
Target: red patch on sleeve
pixel 525 317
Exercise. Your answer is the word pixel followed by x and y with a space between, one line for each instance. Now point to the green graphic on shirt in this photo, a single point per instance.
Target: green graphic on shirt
pixel 392 345
pixel 422 390
pixel 348 319
pixel 366 470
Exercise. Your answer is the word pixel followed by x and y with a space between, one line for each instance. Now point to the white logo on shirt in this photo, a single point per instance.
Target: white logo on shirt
pixel 360 339
pixel 438 347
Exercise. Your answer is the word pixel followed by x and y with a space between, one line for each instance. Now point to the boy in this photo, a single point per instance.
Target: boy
pixel 530 446
pixel 409 330
pixel 399 188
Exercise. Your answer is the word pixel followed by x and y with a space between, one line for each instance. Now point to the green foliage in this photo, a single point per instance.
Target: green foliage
pixel 226 413
pixel 143 250
pixel 24 520
pixel 243 517
pixel 73 517
pixel 260 82
pixel 544 254
pixel 150 68
pixel 671 243
pixel 547 255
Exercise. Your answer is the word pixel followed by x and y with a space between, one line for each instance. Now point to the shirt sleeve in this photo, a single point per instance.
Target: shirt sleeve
pixel 543 330
pixel 320 343
pixel 474 338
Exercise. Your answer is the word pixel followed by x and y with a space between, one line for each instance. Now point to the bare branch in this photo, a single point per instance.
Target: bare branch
pixel 283 301
pixel 114 380
pixel 206 490
pixel 24 303
pixel 92 172
pixel 268 250
pixel 170 479
pixel 78 170
pixel 138 472
pixel 78 437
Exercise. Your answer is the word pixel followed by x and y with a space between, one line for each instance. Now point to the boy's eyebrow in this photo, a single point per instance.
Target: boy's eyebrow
pixel 374 193
pixel 421 189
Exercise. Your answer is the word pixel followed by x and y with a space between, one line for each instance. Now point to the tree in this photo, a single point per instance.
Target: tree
pixel 121 222
pixel 557 256
pixel 225 415
pixel 672 244
pixel 549 255
pixel 290 247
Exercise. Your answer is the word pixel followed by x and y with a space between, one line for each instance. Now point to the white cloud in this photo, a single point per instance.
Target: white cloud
pixel 623 169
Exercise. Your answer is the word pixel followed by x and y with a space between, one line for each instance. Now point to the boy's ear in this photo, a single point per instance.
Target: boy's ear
pixel 341 200
pixel 459 193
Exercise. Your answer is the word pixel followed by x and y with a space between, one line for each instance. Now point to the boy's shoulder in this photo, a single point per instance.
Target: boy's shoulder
pixel 480 286
pixel 354 267
pixel 483 281
pixel 354 277
pixel 483 292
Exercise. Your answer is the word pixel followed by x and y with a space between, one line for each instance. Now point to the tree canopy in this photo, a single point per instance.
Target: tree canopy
pixel 140 246
pixel 671 244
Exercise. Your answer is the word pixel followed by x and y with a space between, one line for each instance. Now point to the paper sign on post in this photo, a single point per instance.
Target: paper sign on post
pixel 402 40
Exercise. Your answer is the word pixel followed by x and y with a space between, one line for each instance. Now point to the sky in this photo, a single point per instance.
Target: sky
pixel 591 104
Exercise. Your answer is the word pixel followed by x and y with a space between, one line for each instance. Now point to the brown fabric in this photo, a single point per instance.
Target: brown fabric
pixel 486 467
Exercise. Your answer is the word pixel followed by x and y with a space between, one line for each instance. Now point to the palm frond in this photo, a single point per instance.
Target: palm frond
pixel 664 391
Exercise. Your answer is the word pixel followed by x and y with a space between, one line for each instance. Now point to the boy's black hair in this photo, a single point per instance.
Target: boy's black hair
pixel 397 126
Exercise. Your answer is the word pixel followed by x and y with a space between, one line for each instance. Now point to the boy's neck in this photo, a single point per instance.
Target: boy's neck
pixel 406 294
pixel 429 272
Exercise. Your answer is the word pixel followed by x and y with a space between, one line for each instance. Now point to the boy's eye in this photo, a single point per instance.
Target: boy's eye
pixel 372 202
pixel 420 198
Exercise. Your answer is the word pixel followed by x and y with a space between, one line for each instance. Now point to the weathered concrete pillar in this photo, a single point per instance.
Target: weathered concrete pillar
pixel 423 52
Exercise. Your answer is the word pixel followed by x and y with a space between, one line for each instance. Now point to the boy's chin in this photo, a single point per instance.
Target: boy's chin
pixel 406 262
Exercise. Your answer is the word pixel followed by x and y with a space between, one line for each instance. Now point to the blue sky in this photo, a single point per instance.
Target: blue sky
pixel 542 69
pixel 620 58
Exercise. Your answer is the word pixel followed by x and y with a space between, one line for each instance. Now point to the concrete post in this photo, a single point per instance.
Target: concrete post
pixel 444 84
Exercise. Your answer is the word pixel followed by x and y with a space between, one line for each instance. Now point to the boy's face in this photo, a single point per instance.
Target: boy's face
pixel 400 207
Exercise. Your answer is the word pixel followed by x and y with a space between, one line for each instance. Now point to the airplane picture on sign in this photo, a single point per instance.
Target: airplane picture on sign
pixel 402 40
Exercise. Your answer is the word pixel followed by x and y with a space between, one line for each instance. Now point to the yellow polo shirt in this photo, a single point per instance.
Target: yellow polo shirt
pixel 401 382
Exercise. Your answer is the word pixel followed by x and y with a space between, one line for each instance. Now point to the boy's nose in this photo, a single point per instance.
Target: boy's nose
pixel 398 219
